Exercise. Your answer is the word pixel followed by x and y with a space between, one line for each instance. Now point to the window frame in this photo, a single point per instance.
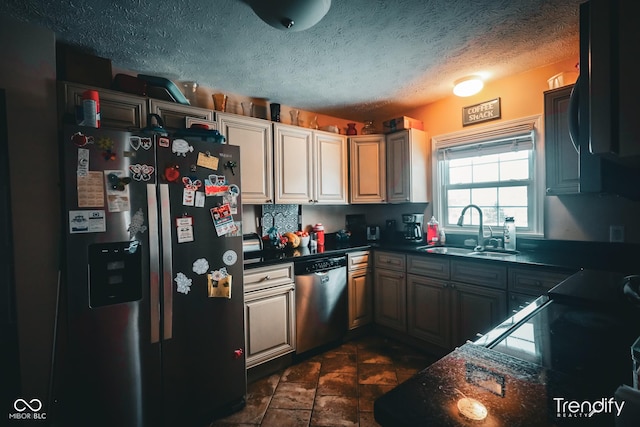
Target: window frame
pixel 505 129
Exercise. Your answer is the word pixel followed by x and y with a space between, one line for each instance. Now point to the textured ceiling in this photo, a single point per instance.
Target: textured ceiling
pixel 364 59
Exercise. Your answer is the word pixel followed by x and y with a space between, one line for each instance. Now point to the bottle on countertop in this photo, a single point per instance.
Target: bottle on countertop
pixel 319 230
pixel 509 233
pixel 433 231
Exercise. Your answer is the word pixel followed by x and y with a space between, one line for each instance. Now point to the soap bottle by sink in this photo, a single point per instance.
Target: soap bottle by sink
pixel 509 233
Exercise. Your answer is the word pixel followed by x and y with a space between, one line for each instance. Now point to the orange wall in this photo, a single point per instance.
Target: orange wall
pixel 573 217
pixel 520 96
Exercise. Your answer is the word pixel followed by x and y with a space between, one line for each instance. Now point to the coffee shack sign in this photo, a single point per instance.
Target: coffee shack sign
pixel 489 110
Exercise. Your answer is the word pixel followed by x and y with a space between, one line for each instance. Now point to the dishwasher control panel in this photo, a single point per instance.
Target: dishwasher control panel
pixel 319 264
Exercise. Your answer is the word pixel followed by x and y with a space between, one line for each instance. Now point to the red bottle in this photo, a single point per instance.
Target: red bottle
pixel 433 231
pixel 319 230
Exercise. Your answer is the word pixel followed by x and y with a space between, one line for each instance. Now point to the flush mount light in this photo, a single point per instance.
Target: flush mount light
pixel 468 86
pixel 290 15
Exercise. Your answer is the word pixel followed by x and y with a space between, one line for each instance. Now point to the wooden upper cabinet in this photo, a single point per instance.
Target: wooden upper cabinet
pixel 254 137
pixel 310 166
pixel 174 115
pixel 561 158
pixel 293 151
pixel 118 110
pixel 407 166
pixel 367 169
pixel 330 151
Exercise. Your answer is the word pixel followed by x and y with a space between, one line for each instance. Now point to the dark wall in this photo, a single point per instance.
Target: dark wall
pixel 28 77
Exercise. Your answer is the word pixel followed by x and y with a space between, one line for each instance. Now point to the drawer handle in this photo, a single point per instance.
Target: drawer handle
pixel 267 277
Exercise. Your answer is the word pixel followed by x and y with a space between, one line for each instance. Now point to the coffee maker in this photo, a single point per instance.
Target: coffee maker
pixel 413 227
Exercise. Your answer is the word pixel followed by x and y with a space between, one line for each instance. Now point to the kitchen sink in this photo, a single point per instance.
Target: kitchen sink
pixel 492 254
pixel 451 250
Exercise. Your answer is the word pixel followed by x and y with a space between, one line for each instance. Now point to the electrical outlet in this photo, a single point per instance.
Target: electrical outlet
pixel 616 233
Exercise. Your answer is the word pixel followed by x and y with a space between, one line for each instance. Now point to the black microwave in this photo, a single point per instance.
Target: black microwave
pixel 604 109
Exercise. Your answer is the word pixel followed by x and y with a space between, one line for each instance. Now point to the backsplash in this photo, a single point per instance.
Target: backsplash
pixel 284 217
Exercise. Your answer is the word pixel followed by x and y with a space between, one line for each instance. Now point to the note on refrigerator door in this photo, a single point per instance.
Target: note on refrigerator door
pixel 223 220
pixel 90 190
pixel 117 185
pixel 92 221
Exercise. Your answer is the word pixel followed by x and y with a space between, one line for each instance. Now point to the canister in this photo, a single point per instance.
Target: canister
pixel 319 230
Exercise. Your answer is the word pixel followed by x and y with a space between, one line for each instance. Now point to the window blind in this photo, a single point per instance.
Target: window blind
pixel 496 146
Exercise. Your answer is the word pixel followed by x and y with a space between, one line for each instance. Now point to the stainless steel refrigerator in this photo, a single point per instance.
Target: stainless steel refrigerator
pixel 151 324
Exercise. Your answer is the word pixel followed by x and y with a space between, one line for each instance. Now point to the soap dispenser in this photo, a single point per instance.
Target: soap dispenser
pixel 509 233
pixel 433 231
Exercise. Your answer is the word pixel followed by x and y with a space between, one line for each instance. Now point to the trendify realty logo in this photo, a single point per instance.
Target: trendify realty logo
pixel 586 409
pixel 27 410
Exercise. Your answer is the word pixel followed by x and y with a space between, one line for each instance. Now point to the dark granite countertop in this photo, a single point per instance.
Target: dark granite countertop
pixel 567 255
pixel 514 392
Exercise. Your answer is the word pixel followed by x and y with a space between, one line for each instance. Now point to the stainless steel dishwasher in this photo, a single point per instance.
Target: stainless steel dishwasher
pixel 321 301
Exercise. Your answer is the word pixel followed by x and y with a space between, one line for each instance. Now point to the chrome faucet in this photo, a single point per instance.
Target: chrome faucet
pixel 480 246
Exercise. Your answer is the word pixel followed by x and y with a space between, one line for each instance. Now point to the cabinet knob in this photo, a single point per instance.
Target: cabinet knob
pixel 267 277
pixel 269 201
pixel 479 335
pixel 549 190
pixel 446 285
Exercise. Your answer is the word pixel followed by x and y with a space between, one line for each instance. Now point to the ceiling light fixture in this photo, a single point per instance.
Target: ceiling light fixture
pixel 468 86
pixel 290 15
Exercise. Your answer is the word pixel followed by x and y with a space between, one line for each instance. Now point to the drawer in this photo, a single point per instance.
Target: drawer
pixel 267 277
pixel 357 260
pixel 432 266
pixel 535 281
pixel 479 273
pixel 390 260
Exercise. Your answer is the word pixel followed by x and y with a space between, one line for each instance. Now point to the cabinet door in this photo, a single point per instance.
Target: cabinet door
pixel 293 150
pixel 269 324
pixel 254 138
pixel 475 310
pixel 360 298
pixel 562 171
pixel 117 109
pixel 398 172
pixel 429 310
pixel 330 152
pixel 367 171
pixel 173 114
pixel 390 299
pixel 407 166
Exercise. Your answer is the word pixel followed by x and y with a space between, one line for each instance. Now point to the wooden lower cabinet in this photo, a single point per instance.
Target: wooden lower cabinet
pixel 360 289
pixel 475 310
pixel 448 314
pixel 391 299
pixel 269 323
pixel 429 312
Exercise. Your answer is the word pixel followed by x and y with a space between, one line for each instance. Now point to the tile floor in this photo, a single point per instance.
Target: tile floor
pixel 336 388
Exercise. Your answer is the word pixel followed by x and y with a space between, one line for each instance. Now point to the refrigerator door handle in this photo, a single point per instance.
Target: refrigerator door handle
pixel 167 270
pixel 154 263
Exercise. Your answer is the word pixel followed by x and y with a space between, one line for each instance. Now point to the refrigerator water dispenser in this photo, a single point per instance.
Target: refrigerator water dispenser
pixel 115 273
